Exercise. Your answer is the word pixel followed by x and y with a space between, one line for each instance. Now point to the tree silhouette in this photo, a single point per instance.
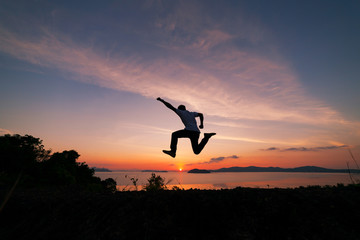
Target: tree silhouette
pixel 62 169
pixel 24 160
pixel 21 153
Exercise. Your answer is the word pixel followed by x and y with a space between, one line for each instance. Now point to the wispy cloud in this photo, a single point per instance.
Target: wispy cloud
pixel 214 160
pixel 210 39
pixel 4 131
pixel 147 128
pixel 242 139
pixel 199 62
pixel 305 149
pixel 245 95
pixel 219 159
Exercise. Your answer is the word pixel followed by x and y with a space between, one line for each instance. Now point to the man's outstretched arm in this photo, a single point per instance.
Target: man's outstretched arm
pixel 166 104
pixel 201 116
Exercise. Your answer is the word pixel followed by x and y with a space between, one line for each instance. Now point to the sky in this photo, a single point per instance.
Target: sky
pixel 278 81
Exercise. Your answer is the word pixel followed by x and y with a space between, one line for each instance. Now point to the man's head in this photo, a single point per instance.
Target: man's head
pixel 181 107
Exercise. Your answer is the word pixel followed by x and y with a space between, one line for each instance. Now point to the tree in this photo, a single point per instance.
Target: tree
pixel 61 168
pixel 24 161
pixel 20 157
pixel 21 153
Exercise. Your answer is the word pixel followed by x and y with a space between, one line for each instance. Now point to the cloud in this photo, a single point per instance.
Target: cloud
pixel 271 149
pixel 210 39
pixel 214 160
pixel 242 139
pixel 198 61
pixel 147 128
pixel 219 159
pixel 306 149
pixel 4 131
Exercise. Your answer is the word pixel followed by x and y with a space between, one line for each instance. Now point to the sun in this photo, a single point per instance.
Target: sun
pixel 180 169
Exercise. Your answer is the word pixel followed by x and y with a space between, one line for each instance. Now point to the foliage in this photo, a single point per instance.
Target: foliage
pixel 63 169
pixel 354 180
pixel 176 188
pixel 155 183
pixel 24 160
pixel 241 213
pixel 21 153
pixel 133 181
pixel 109 184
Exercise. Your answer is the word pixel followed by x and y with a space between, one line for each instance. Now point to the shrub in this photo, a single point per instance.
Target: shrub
pixel 109 185
pixel 155 183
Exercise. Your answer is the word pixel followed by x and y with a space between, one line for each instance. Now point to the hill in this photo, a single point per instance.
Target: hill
pixel 278 169
pixel 199 171
pixel 153 171
pixel 101 169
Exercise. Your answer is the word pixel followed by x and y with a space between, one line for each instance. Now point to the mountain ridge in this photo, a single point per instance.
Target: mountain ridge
pixel 278 169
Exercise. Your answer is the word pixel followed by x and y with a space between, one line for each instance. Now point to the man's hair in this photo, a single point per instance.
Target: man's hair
pixel 181 107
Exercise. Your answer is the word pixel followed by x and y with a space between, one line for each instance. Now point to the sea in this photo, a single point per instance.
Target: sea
pixel 227 180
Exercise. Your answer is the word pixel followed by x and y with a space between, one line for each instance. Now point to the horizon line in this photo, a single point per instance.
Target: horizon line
pixel 183 170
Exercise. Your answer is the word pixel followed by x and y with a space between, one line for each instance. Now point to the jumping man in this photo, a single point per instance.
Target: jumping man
pixel 191 130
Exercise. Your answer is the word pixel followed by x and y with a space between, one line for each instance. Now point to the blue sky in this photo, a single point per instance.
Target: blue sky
pixel 267 75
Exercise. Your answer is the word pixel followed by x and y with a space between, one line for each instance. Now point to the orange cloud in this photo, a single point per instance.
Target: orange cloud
pixel 4 131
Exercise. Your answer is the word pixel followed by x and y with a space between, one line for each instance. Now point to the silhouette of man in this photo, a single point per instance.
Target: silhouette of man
pixel 191 130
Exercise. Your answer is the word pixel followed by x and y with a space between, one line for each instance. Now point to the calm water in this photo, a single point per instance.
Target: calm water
pixel 228 180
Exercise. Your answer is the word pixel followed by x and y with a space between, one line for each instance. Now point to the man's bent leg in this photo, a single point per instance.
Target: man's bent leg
pixel 204 141
pixel 174 141
pixel 194 138
pixel 172 154
pixel 174 138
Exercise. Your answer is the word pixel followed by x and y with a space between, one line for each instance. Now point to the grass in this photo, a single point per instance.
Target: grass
pixel 354 179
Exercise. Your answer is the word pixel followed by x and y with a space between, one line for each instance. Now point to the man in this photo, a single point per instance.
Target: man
pixel 191 130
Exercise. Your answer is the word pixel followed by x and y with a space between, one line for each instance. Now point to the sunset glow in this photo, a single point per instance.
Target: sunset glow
pixel 277 81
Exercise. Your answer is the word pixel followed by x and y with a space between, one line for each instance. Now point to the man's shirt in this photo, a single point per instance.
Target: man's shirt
pixel 188 119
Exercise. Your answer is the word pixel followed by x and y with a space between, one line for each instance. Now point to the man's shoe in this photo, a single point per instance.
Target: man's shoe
pixel 209 135
pixel 171 153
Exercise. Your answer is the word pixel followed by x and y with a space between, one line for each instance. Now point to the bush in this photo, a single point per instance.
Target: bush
pixel 109 185
pixel 155 183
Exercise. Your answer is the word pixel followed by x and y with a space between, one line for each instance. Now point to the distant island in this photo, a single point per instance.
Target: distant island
pixel 101 169
pixel 276 169
pixel 199 171
pixel 153 171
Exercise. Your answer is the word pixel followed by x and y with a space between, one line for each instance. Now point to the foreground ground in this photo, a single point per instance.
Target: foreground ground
pixel 242 213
